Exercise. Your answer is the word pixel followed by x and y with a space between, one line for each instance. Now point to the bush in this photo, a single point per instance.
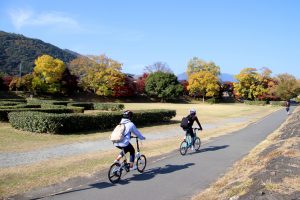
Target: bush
pixel 70 123
pixel 213 101
pixel 257 103
pixel 277 103
pixel 86 106
pixel 4 112
pixel 9 103
pixel 108 106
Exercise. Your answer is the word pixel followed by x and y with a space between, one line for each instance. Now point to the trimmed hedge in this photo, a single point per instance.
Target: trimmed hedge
pixel 71 123
pixel 9 103
pixel 277 103
pixel 86 106
pixel 5 112
pixel 109 106
pixel 257 103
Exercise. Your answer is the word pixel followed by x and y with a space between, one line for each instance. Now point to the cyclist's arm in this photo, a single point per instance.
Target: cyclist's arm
pixel 136 132
pixel 198 123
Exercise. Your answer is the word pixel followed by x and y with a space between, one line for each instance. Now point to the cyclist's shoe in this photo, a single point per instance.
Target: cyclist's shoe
pixel 192 148
pixel 133 168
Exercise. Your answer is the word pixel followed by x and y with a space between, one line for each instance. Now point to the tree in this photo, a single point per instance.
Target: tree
pixel 99 74
pixel 158 67
pixel 197 65
pixel 162 85
pixel 253 85
pixel 23 83
pixel 203 83
pixel 69 82
pixel 287 86
pixel 127 90
pixel 140 83
pixel 47 74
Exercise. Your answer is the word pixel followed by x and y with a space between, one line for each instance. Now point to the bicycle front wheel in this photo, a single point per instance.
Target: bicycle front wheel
pixel 197 144
pixel 183 148
pixel 141 163
pixel 114 173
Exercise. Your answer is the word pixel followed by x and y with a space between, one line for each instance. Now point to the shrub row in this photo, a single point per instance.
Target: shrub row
pixel 109 106
pixel 5 112
pixel 258 103
pixel 277 103
pixel 86 106
pixel 72 123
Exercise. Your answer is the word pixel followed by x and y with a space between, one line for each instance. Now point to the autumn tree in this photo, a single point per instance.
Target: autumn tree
pixel 128 89
pixel 203 83
pixel 23 83
pixel 140 83
pixel 47 74
pixel 252 84
pixel 287 86
pixel 162 85
pixel 197 65
pixel 99 74
pixel 158 67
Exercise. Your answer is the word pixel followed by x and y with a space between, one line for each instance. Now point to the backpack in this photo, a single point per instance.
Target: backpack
pixel 118 133
pixel 184 123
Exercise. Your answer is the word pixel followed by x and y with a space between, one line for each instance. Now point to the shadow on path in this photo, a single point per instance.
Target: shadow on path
pixel 210 148
pixel 148 174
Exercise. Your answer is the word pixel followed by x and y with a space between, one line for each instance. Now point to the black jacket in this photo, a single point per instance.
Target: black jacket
pixel 191 119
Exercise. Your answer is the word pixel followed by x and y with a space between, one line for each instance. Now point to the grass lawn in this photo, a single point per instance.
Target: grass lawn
pixel 12 140
pixel 15 180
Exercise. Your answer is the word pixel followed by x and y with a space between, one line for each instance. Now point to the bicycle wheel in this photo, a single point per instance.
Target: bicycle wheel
pixel 183 148
pixel 114 173
pixel 141 163
pixel 197 144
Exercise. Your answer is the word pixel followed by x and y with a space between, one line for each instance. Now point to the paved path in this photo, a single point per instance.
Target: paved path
pixel 173 176
pixel 11 159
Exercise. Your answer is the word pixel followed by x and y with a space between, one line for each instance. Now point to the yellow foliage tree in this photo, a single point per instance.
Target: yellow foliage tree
pixel 203 83
pixel 99 74
pixel 48 73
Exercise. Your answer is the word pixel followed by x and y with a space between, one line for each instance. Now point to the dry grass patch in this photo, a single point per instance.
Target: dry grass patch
pixel 237 181
pixel 18 180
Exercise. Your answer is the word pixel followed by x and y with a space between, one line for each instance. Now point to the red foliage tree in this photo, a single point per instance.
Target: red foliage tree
pixel 127 90
pixel 5 82
pixel 140 83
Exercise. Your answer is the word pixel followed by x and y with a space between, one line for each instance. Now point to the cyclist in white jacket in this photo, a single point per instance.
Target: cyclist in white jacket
pixel 125 143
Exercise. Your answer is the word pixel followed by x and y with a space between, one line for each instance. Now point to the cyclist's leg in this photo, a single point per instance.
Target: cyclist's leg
pixel 129 148
pixel 121 154
pixel 192 136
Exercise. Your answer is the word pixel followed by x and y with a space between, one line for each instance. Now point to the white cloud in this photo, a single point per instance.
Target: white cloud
pixel 22 17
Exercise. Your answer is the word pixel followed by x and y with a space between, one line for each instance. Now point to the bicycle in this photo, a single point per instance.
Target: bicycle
pixel 187 142
pixel 116 169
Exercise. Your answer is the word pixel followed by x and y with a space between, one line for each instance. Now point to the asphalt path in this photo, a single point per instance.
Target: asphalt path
pixel 171 176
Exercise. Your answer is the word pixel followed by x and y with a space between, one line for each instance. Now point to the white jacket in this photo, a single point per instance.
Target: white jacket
pixel 129 128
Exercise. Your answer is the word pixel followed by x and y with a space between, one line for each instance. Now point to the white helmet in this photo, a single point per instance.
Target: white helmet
pixel 193 111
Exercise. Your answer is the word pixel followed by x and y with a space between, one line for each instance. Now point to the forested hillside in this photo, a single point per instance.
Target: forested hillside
pixel 16 49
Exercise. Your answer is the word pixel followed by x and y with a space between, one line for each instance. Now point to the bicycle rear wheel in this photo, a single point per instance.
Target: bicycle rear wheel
pixel 197 144
pixel 183 148
pixel 141 163
pixel 114 173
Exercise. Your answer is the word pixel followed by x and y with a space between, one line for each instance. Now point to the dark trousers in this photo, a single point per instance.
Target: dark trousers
pixel 191 133
pixel 129 148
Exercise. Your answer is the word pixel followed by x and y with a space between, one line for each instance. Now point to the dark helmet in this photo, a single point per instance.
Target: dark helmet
pixel 127 114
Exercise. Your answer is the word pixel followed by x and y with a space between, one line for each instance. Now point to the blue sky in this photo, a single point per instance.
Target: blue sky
pixel 233 34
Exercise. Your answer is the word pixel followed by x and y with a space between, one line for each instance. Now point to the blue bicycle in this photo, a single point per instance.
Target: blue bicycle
pixel 187 143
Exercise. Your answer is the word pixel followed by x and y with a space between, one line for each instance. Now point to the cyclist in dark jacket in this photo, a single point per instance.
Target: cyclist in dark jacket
pixel 192 117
